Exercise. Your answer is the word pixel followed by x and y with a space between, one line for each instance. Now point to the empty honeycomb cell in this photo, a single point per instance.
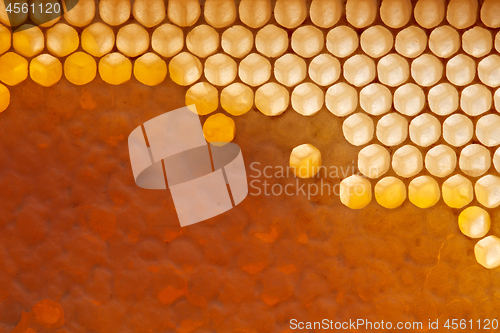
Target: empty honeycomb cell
pixel 13 68
pixel 325 13
pixel 375 99
pixel 475 100
pixel 443 99
pixel 457 191
pixel 255 13
pixel 409 99
pixel 355 192
pixel 272 99
pixel 44 18
pixel 81 14
pixel 307 99
pixel 474 222
pixel 393 70
pixel 305 160
pixel 490 13
pixel 115 68
pixel 390 192
pixel 132 40
pixel 220 69
pixel 429 13
pixel 202 41
pixel 185 69
pixel 359 70
pixel 411 42
pixel 462 13
pixel 488 70
pixel 488 130
pixel 4 98
pixel 487 191
pixel 219 128
pixel 441 161
pixel 204 97
pixel 424 192
pixel 392 129
pixel 324 70
pixel 167 40
pixel 114 12
pixel 150 69
pixel 341 99
pixel 237 99
pixel 474 160
pixel 444 41
pixel 13 20
pixel 45 70
pixel 376 41
pixel 237 41
pixel 62 40
pixel 477 42
pixel 426 70
pixel 361 13
pixel 290 70
pixel 460 70
pixel 5 39
pixel 407 161
pixel 487 252
pixel 425 130
pixel 457 130
pixel 358 129
pixel 271 41
pixel 374 161
pixel 28 41
pixel 98 39
pixel 307 41
pixel 290 13
pixel 149 12
pixel 396 13
pixel 183 13
pixel 254 70
pixel 342 41
pixel 80 68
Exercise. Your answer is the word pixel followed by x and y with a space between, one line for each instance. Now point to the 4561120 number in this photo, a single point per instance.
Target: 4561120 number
pixel 42 8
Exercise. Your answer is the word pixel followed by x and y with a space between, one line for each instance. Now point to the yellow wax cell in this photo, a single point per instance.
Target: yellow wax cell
pixel 114 12
pixel 62 40
pixel 185 69
pixel 150 69
pixel 390 192
pixel 98 39
pixel 184 13
pixel 4 98
pixel 28 41
pixel 81 14
pixel 132 40
pixel 424 192
pixel 355 192
pixel 149 12
pixel 237 99
pixel 305 160
pixel 45 70
pixel 457 191
pixel 115 68
pixel 204 97
pixel 5 39
pixel 487 252
pixel 80 68
pixel 13 68
pixel 219 129
pixel 474 222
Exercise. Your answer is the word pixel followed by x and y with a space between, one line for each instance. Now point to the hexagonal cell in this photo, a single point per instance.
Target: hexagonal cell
pixel 220 13
pixel 62 40
pixel 490 13
pixel 81 14
pixel 488 130
pixel 375 99
pixel 150 69
pixel 341 99
pixel 475 100
pixel 496 159
pixel 220 69
pixel 204 97
pixel 458 191
pixel 219 128
pixel 487 252
pixel 355 192
pixel 167 40
pixel 114 12
pixel 237 41
pixel 390 192
pixel 441 161
pixel 4 98
pixel 376 41
pixel 425 130
pixel 474 160
pixel 290 70
pixel 43 18
pixel 79 68
pixel 132 40
pixel 358 129
pixel 361 13
pixel 149 12
pixel 305 160
pixel 409 99
pixel 98 39
pixel 185 69
pixel 307 41
pixel 487 191
pixel 424 192
pixel 407 161
pixel 393 70
pixel 307 99
pixel 461 70
pixel 392 129
pixel 324 69
pixel 272 99
pixel 474 222
pixel 202 41
pixel 396 13
pixel 255 70
pixel 115 68
pixel 444 41
pixel 325 13
pixel 342 41
pixel 5 39
pixel 374 161
pixel 184 13
pixel 443 99
pixel 255 13
pixel 45 70
pixel 497 99
pixel 237 99
pixel 429 13
pixel 290 13
pixel 477 42
pixel 488 70
pixel 28 41
pixel 411 42
pixel 457 130
pixel 462 13
pixel 271 41
pixel 359 70
pixel 426 70
pixel 13 68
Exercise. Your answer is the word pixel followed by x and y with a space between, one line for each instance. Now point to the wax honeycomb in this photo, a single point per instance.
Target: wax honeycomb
pixel 424 192
pixel 13 68
pixel 204 97
pixel 219 128
pixel 324 69
pixel 255 13
pixel 150 69
pixel 132 40
pixel 29 41
pixel 46 70
pixel 167 40
pixel 115 68
pixel 474 222
pixel 114 12
pixel 305 160
pixel 355 192
pixel 98 39
pixel 254 70
pixel 390 192
pixel 237 41
pixel 62 40
pixel 80 68
pixel 374 161
pixel 237 99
